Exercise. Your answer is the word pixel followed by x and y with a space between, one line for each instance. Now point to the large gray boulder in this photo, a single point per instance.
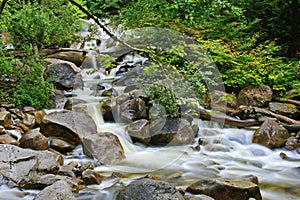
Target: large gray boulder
pixel 17 163
pixel 271 134
pixel 149 189
pixel 64 74
pixel 104 147
pixel 226 189
pixel 68 125
pixel 60 190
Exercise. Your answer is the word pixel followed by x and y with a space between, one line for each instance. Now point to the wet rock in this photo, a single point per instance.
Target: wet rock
pixel 65 75
pixel 92 62
pixel 198 197
pixel 106 109
pixel 28 109
pixel 38 116
pixel 259 95
pixel 29 120
pixel 66 170
pixel 223 99
pixel 161 132
pixel 19 114
pixel 17 163
pixel 76 57
pixel 5 119
pixel 291 143
pixel 139 131
pixel 226 189
pixel 104 147
pixel 91 177
pixel 40 182
pixel 58 99
pixel 60 190
pixel 285 109
pixel 171 132
pixel 74 104
pixel 132 110
pixel 270 134
pixel 34 140
pixel 61 145
pixel 8 139
pixel 149 189
pixel 68 125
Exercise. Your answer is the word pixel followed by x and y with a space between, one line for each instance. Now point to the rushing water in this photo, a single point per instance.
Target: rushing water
pixel 182 165
pixel 231 154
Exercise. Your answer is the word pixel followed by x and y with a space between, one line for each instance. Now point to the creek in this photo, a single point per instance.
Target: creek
pixel 232 155
pixel 182 165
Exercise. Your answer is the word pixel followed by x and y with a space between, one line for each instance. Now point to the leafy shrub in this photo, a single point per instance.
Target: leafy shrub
pixel 41 26
pixel 22 81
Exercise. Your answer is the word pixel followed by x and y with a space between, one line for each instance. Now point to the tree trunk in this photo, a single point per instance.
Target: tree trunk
pixel 294 34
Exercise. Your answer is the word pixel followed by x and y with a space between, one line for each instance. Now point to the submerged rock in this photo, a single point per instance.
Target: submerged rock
pixel 226 189
pixel 104 147
pixel 69 126
pixel 271 134
pixel 149 189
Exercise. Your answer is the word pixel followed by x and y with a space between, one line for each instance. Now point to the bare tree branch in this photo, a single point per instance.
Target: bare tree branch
pixel 114 37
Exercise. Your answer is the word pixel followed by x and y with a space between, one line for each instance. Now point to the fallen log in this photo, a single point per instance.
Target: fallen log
pixel 292 128
pixel 277 116
pixel 221 118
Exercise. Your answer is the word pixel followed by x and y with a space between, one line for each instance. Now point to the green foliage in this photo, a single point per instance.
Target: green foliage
pixel 32 26
pixel 41 26
pixel 23 83
pixel 165 97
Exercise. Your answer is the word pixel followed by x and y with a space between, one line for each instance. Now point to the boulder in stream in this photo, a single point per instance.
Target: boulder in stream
pixel 17 163
pixel 68 125
pixel 171 132
pixel 34 140
pixel 162 132
pixel 104 147
pixel 133 109
pixel 226 189
pixel 149 189
pixel 64 74
pixel 60 190
pixel 271 134
pixel 5 119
